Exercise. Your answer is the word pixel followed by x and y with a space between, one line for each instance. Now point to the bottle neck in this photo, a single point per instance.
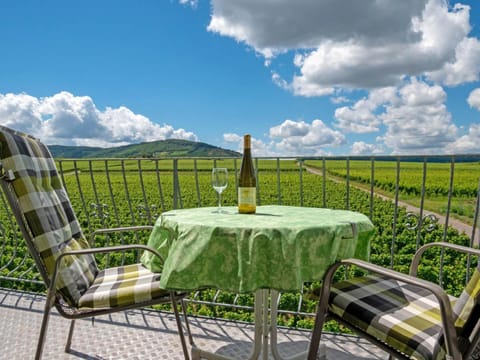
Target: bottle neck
pixel 246 142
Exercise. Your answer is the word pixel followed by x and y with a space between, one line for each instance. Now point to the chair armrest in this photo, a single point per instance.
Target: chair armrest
pixel 418 254
pixel 118 229
pixel 441 296
pixel 108 249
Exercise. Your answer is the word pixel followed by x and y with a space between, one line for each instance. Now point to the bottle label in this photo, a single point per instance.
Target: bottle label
pixel 247 199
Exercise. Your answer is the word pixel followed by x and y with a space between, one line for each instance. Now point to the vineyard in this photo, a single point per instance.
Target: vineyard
pixel 108 193
pixel 436 180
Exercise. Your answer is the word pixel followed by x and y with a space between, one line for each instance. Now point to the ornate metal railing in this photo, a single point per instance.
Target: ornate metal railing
pixel 428 198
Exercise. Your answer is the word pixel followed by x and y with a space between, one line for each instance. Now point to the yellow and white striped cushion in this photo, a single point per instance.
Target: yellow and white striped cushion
pixel 123 286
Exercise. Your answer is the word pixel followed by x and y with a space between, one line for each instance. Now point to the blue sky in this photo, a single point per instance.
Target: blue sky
pixel 304 77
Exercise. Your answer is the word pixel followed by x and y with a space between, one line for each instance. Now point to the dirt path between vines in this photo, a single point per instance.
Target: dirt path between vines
pixel 456 224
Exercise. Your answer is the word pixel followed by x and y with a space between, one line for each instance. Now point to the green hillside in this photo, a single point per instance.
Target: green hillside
pixel 160 149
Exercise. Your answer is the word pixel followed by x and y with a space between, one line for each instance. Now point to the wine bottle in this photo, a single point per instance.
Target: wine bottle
pixel 247 183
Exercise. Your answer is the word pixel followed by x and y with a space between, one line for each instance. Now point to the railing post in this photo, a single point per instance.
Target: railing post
pixel 300 174
pixel 372 185
pixel 279 191
pixel 324 182
pixel 347 184
pixel 395 214
pixel 175 184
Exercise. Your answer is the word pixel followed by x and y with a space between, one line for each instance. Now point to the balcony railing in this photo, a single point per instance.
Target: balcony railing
pixel 411 200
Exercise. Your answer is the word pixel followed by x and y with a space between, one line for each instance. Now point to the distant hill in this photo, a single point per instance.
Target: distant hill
pixel 160 149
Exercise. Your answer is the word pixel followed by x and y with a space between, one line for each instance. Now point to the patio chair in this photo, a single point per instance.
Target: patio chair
pixel 406 316
pixel 76 286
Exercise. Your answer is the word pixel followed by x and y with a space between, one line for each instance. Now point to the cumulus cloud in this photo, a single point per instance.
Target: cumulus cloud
pixel 290 128
pixel 65 119
pixel 298 137
pixel 362 148
pixel 466 144
pixel 418 121
pixel 474 99
pixel 21 111
pixel 355 44
pixel 410 119
pixel 413 117
pixel 463 68
pixel 292 138
pixel 271 28
pixel 259 147
pixel 232 138
pixel 362 117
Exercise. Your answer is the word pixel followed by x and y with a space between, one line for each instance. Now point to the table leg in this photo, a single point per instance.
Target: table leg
pixel 265 324
pixel 260 304
pixel 273 334
pixel 260 340
pixel 263 330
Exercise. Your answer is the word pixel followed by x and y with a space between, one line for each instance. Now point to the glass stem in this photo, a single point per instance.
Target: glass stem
pixel 219 200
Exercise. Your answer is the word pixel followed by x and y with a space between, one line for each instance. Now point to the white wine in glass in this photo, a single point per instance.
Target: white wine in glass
pixel 219 183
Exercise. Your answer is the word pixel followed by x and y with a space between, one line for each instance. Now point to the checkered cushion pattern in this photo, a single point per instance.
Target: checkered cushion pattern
pixel 467 308
pixel 46 208
pixel 123 286
pixel 399 314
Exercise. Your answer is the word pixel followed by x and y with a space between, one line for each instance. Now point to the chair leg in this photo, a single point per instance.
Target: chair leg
pixel 43 330
pixel 187 324
pixel 70 335
pixel 318 326
pixel 316 335
pixel 322 310
pixel 179 325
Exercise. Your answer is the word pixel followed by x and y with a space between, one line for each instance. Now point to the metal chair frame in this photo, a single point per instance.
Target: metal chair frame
pixel 53 298
pixel 450 335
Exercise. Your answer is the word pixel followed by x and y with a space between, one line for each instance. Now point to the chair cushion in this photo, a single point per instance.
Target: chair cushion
pixel 467 308
pixel 48 213
pixel 404 316
pixel 123 286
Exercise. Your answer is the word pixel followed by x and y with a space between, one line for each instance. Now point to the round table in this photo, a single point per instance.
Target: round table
pixel 279 247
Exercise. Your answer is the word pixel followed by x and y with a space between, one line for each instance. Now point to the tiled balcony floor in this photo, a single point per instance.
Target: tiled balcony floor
pixel 143 334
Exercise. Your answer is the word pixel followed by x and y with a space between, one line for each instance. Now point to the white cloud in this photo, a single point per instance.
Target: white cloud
pixel 362 148
pixel 290 128
pixel 464 68
pixel 233 138
pixel 299 137
pixel 259 147
pixel 474 99
pixel 65 119
pixel 466 144
pixel 339 99
pixel 280 82
pixel 413 117
pixel 362 117
pixel 293 138
pixel 418 121
pixel 20 111
pixel 192 3
pixel 68 116
pixel 353 44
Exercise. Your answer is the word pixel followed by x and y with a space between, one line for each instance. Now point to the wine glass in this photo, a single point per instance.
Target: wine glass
pixel 219 183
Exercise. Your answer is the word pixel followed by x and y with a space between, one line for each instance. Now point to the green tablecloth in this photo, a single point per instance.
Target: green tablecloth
pixel 280 247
